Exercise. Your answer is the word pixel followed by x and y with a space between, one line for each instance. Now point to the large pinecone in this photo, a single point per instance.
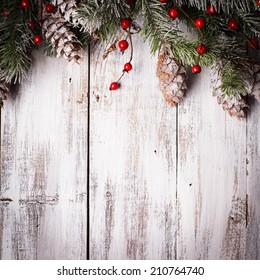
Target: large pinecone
pixel 234 105
pixel 172 76
pixel 3 93
pixel 58 30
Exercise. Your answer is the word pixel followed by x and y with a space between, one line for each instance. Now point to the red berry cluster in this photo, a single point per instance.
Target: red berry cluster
pixel 123 45
pixel 201 49
pixel 199 22
pixel 25 4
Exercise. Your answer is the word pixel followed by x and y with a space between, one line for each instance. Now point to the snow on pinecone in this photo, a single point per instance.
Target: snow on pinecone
pixel 58 30
pixel 172 76
pixel 67 8
pixel 234 105
pixel 254 83
pixel 3 93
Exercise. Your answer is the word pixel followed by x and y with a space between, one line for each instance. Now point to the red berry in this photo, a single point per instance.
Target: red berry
pixel 258 3
pixel 128 67
pixel 233 24
pixel 200 22
pixel 49 8
pixel 253 43
pixel 164 1
pixel 211 10
pixel 201 49
pixel 123 45
pixel 126 23
pixel 173 13
pixel 196 69
pixel 6 13
pixel 25 4
pixel 114 86
pixel 32 24
pixel 37 39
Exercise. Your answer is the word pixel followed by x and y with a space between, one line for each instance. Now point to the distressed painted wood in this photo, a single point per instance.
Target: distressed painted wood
pixel 44 164
pixel 132 161
pixel 212 183
pixel 253 182
pixel 163 183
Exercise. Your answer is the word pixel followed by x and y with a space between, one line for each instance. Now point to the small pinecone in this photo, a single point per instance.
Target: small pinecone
pixel 234 105
pixel 172 76
pixel 3 93
pixel 63 40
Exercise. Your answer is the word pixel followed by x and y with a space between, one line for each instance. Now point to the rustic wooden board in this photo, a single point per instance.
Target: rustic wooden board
pixel 212 183
pixel 164 183
pixel 132 161
pixel 253 182
pixel 44 164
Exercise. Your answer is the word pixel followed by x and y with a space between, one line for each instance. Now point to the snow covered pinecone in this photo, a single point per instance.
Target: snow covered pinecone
pixel 234 105
pixel 172 76
pixel 58 31
pixel 3 93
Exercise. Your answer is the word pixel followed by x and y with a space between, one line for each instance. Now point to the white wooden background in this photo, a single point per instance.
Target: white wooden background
pixel 86 173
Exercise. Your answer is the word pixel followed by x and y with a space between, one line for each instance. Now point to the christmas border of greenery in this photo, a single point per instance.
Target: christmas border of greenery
pixel 227 46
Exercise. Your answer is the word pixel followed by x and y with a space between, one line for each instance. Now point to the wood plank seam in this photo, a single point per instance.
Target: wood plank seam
pixel 176 191
pixel 88 162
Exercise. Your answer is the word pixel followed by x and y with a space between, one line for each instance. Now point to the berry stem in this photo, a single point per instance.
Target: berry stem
pixel 112 47
pixel 249 42
pixel 40 12
pixel 129 35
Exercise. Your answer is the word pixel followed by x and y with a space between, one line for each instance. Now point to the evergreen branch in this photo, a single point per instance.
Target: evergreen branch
pixel 232 80
pixel 250 23
pixel 100 17
pixel 15 45
pixel 157 26
pixel 233 66
pixel 227 6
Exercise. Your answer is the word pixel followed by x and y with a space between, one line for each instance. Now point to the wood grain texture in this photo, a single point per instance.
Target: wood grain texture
pixel 253 182
pixel 212 183
pixel 132 161
pixel 44 164
pixel 164 183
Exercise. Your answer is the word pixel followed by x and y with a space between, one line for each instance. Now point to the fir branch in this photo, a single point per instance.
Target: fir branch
pixel 232 80
pixel 233 66
pixel 186 52
pixel 157 26
pixel 160 29
pixel 15 45
pixel 227 6
pixel 250 23
pixel 100 17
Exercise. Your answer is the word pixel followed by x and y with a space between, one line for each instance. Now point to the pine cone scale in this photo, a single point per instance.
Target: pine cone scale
pixel 172 77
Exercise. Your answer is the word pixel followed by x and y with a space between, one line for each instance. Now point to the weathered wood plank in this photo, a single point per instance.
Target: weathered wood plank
pixel 44 164
pixel 132 161
pixel 212 192
pixel 151 197
pixel 253 182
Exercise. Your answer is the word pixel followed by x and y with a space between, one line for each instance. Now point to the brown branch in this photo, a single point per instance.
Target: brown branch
pixel 113 46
